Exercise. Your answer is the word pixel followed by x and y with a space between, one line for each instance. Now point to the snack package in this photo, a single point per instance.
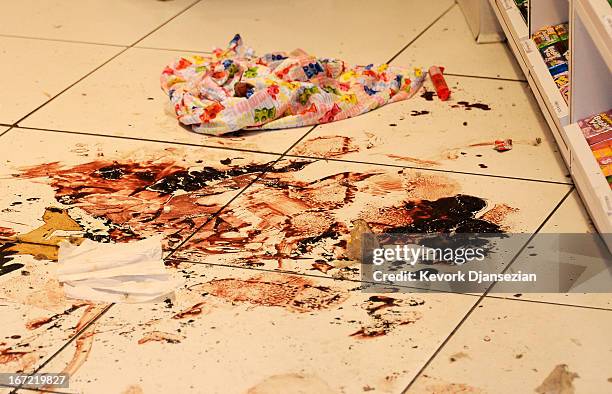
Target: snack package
pixel 562 30
pixel 503 145
pixel 599 137
pixel 553 54
pixel 596 124
pixel 561 79
pixel 545 36
pixel 558 68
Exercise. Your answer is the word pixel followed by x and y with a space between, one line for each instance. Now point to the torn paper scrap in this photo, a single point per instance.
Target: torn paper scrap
pixel 124 272
pixel 233 89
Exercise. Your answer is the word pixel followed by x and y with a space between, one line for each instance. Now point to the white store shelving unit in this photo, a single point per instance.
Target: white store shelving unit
pixel 590 85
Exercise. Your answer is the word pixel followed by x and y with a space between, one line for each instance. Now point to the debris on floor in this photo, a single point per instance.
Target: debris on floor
pixel 503 145
pixel 359 235
pixel 435 73
pixel 233 89
pixel 558 382
pixel 127 272
pixel 42 242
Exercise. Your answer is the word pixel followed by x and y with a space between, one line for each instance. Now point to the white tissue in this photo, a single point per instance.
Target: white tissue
pixel 125 272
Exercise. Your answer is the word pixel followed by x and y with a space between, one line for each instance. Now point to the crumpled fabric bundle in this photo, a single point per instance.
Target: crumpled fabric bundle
pixel 127 272
pixel 233 89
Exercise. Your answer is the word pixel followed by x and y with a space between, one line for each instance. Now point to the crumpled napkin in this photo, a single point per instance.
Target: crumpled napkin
pixel 125 272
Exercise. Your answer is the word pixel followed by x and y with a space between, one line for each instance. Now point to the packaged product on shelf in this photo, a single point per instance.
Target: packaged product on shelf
pixel 553 54
pixel 596 124
pixel 599 137
pixel 603 155
pixel 562 30
pixel 561 79
pixel 545 36
pixel 557 69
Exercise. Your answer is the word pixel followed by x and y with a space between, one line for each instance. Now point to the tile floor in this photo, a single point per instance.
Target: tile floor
pixel 261 309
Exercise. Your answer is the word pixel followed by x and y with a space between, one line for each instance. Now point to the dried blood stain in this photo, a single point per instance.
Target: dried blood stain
pixel 385 314
pixel 326 146
pixel 294 293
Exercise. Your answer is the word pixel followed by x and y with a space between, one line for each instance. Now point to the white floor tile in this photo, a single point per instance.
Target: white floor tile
pixel 36 70
pixel 299 220
pixel 449 136
pixel 575 261
pixel 245 329
pixel 101 21
pixel 355 31
pixel 118 189
pixel 450 43
pixel 511 347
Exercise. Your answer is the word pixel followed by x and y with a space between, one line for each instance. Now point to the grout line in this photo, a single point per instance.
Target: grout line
pixel 286 272
pixel 123 137
pixel 257 178
pixel 62 40
pixel 6 131
pixel 296 156
pixel 431 169
pixel 421 33
pixel 166 22
pixel 484 295
pixel 183 260
pixel 104 63
pixel 484 77
pixel 172 49
pixel 71 85
pixel 74 337
pixel 68 342
pixel 599 308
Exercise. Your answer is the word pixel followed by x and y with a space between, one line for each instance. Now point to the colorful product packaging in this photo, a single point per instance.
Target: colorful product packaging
pixel 553 54
pixel 562 30
pixel 595 125
pixel 561 79
pixel 597 130
pixel 545 36
pixel 562 82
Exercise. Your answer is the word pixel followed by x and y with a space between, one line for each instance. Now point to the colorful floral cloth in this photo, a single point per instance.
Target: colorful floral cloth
pixel 233 89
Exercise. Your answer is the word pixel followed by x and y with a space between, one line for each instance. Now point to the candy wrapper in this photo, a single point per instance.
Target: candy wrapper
pixel 503 145
pixel 233 89
pixel 596 125
pixel 562 30
pixel 545 36
pixel 553 54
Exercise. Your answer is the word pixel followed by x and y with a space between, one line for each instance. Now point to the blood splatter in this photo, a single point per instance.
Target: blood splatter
pixel 428 95
pixel 8 356
pixel 294 293
pixel 160 336
pixel 36 323
pixel 446 215
pixel 386 313
pixel 468 106
pixel 195 310
pixel 326 146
